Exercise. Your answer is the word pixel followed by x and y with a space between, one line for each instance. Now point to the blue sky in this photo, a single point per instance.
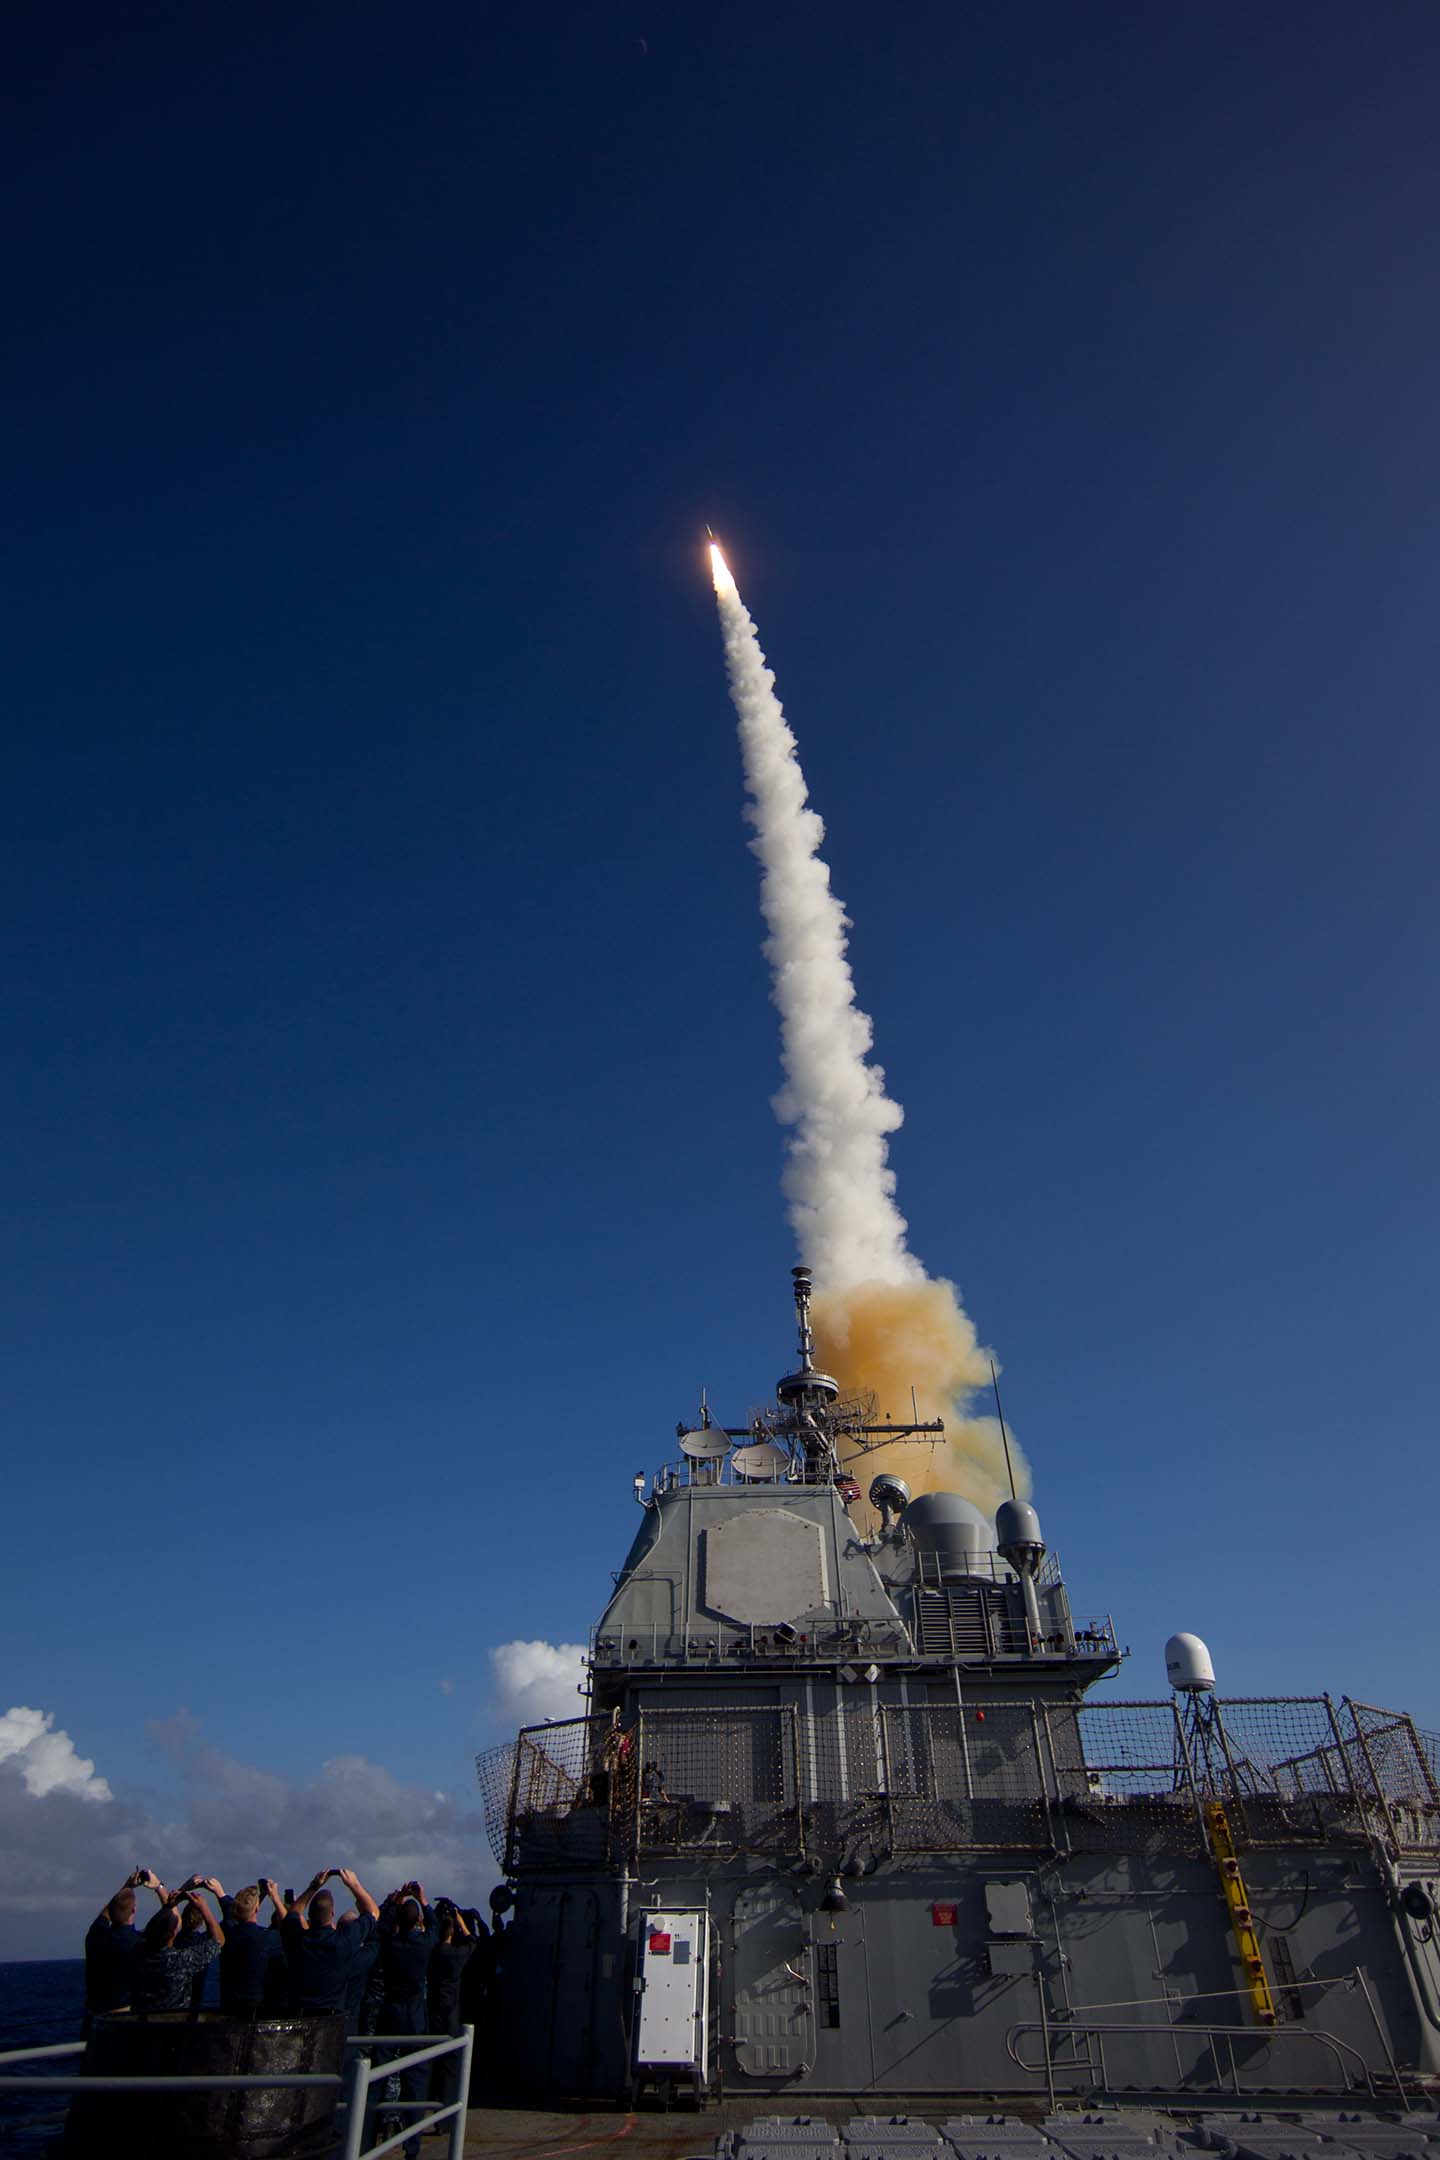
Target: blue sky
pixel 387 1041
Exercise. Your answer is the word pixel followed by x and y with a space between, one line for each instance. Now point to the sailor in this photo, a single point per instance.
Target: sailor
pixel 193 1930
pixel 112 1945
pixel 172 1959
pixel 454 1948
pixel 407 1937
pixel 661 1813
pixel 475 1991
pixel 502 1897
pixel 320 1954
pixel 362 2007
pixel 253 1972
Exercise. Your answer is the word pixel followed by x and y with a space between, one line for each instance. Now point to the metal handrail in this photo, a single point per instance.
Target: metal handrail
pixel 708 1644
pixel 257 2082
pixel 985 1566
pixel 1229 2033
pixel 686 1474
pixel 354 2084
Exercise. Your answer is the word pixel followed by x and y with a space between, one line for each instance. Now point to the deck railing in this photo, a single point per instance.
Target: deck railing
pixel 971 1775
pixel 353 2086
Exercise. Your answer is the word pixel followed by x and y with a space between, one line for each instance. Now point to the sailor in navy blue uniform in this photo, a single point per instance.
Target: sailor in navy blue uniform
pixel 113 1945
pixel 408 1934
pixel 454 1948
pixel 320 1954
pixel 254 1976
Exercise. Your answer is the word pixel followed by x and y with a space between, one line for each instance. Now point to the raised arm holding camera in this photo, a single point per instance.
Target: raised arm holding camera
pixel 321 1954
pixel 253 1971
pixel 113 1943
pixel 174 1957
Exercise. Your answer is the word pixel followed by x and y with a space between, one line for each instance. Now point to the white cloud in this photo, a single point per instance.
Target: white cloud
pixel 67 1840
pixel 538 1680
pixel 47 1759
pixel 61 1857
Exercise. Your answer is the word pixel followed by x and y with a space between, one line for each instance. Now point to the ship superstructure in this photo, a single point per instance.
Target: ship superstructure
pixel 842 1819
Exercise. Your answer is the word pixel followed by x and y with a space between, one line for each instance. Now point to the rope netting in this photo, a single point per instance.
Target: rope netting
pixel 963 1776
pixel 708 1780
pixel 495 1770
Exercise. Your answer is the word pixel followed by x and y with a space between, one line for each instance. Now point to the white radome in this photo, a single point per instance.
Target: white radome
pixel 1187 1665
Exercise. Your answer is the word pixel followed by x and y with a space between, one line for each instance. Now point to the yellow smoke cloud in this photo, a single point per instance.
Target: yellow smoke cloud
pixel 890 1337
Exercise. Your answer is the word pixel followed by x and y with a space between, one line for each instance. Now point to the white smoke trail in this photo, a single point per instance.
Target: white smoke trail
pixel 837 1180
pixel 880 1322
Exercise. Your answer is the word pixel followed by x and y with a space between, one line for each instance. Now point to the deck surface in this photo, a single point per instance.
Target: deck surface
pixel 515 2133
pixel 518 2133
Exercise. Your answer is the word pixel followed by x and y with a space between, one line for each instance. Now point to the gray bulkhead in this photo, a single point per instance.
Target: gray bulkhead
pixel 712 1563
pixel 960 1976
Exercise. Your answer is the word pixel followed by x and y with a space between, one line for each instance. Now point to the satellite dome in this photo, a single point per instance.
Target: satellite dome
pixel 1017 1523
pixel 955 1530
pixel 1187 1665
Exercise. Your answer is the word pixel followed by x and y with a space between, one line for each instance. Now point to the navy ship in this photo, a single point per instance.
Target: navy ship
pixel 843 1819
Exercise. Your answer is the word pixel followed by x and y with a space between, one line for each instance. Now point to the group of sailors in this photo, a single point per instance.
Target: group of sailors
pixel 404 1966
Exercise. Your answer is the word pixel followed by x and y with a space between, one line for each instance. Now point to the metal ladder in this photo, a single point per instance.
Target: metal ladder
pixel 1242 1923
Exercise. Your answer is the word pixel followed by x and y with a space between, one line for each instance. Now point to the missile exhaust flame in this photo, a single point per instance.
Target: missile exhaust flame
pixel 720 572
pixel 880 1322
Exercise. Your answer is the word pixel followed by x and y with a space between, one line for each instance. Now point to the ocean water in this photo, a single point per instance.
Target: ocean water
pixel 40 2004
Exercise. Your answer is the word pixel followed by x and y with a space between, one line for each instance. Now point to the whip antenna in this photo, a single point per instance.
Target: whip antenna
pixel 1004 1436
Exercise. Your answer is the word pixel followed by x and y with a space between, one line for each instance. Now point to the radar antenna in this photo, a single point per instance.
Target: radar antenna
pixel 812 1416
pixel 801 1278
